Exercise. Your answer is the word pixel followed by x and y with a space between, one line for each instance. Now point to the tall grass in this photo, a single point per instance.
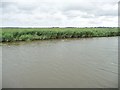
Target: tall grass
pixel 0 34
pixel 25 34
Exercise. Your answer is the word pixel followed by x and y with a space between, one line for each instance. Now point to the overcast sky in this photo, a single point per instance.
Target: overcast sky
pixel 63 13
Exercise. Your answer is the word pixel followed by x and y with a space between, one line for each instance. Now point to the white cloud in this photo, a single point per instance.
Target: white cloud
pixel 80 13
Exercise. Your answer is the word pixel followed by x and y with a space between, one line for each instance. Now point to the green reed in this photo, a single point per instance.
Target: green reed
pixel 28 34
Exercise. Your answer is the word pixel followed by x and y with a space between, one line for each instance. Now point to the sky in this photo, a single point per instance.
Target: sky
pixel 59 13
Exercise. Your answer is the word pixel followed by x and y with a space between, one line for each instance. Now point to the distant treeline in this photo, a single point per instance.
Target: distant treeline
pixel 59 27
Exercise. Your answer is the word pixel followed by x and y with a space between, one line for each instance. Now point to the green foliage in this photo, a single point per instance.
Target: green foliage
pixel 25 34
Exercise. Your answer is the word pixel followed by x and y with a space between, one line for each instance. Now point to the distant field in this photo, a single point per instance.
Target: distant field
pixel 29 34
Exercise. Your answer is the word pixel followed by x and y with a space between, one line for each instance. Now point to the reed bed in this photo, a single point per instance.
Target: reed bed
pixel 29 34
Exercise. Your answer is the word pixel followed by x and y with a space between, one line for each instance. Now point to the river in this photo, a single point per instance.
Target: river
pixel 66 63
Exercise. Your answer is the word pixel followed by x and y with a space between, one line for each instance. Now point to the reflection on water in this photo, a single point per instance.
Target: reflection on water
pixel 76 63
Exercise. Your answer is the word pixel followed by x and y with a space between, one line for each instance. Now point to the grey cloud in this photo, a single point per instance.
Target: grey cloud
pixel 55 13
pixel 92 8
pixel 89 8
pixel 9 7
pixel 6 4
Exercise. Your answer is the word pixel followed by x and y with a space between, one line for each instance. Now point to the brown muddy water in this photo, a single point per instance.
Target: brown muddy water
pixel 0 67
pixel 68 63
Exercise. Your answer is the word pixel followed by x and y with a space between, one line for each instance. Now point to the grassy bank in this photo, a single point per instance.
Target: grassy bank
pixel 25 34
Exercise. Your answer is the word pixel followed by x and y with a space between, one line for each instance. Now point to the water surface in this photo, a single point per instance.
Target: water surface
pixel 68 63
pixel 0 67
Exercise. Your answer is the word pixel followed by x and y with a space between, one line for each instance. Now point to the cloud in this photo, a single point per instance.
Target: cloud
pixel 80 13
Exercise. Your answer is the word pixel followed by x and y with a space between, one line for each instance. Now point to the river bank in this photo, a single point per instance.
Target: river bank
pixel 30 34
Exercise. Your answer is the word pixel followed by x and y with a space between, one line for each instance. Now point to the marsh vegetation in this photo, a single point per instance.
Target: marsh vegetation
pixel 28 34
